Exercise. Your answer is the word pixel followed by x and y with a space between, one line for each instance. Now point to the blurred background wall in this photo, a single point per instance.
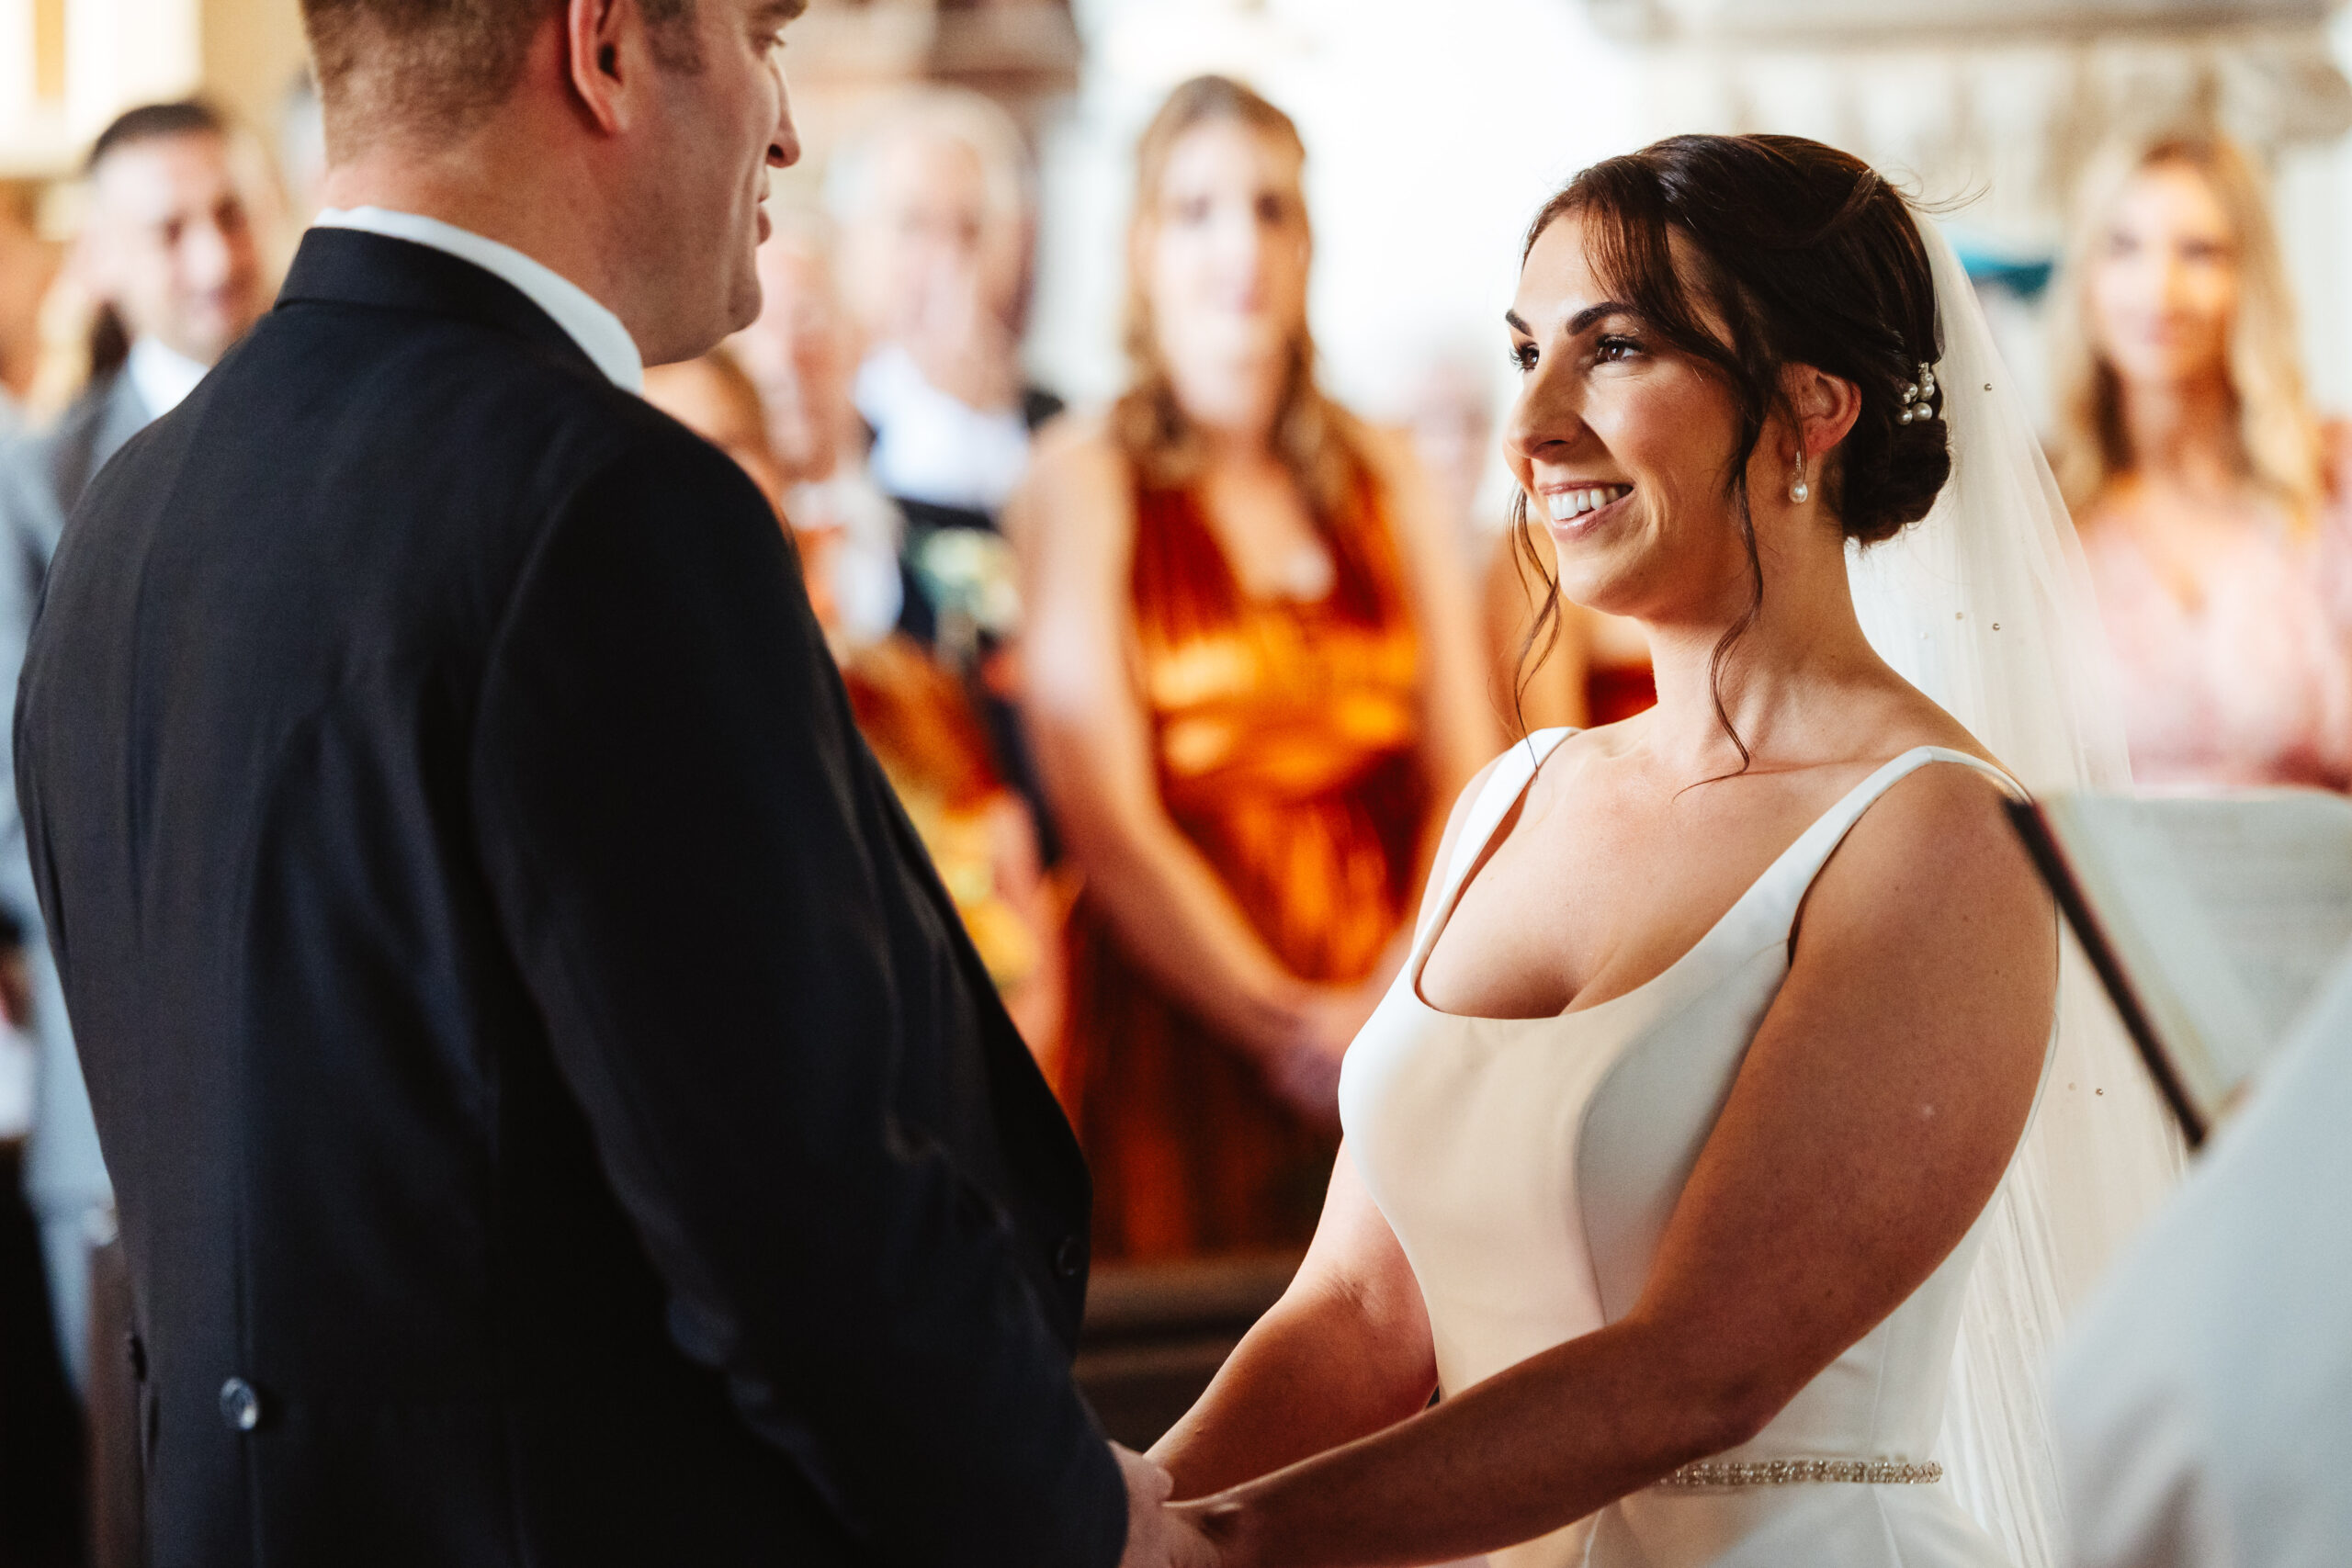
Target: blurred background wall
pixel 1433 130
pixel 68 66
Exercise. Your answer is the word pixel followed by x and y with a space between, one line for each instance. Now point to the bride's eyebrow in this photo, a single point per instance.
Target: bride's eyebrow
pixel 1583 322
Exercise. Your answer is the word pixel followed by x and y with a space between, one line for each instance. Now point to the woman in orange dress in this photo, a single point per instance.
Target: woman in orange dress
pixel 1253 679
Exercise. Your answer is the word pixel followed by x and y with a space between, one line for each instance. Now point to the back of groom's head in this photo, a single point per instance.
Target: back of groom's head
pixel 625 143
pixel 431 70
pixel 427 69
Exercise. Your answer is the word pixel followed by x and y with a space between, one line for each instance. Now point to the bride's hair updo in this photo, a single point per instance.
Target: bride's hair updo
pixel 1805 257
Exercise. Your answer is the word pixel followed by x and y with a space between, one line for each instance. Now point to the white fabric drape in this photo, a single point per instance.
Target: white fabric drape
pixel 1984 605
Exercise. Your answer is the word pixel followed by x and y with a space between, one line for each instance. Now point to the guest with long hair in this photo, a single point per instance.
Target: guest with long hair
pixel 2189 452
pixel 1253 679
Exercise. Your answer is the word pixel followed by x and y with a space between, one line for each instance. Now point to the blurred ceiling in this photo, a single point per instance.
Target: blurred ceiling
pixel 1887 21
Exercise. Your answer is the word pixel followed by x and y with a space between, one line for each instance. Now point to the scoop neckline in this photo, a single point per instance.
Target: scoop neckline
pixel 1417 961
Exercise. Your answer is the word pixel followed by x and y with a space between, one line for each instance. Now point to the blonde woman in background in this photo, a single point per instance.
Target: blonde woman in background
pixel 1253 681
pixel 2193 463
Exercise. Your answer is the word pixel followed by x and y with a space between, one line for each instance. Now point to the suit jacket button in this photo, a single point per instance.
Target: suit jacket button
pixel 240 1405
pixel 1070 1258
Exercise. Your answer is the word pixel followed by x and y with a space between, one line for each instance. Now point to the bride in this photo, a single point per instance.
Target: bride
pixel 1671 1152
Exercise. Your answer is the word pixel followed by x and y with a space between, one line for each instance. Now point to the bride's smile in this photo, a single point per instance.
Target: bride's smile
pixel 1580 500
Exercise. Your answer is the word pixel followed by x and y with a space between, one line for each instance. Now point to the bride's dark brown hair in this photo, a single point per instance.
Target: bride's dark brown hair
pixel 1807 258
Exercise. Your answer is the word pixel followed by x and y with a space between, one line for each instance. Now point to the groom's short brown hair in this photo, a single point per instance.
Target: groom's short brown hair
pixel 429 69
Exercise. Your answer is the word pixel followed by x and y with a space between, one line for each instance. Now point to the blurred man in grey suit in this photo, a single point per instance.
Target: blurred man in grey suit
pixel 168 253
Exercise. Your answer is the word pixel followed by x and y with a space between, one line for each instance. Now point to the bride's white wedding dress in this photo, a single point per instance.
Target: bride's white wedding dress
pixel 1529 1168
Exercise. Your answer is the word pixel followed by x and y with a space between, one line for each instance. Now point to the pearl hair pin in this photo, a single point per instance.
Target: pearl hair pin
pixel 1919 397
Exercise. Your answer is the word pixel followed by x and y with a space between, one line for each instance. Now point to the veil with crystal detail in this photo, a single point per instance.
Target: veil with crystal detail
pixel 1984 605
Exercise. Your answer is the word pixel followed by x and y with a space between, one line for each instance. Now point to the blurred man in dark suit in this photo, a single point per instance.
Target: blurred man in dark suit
pixel 556 1115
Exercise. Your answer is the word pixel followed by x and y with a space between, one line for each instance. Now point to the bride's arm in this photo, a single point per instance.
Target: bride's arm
pixel 1345 1352
pixel 1868 1127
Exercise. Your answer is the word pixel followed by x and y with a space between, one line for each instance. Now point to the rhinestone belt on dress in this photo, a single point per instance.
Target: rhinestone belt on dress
pixel 1796 1471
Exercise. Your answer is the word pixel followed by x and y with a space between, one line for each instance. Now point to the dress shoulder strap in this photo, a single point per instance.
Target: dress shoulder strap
pixel 1506 779
pixel 1794 871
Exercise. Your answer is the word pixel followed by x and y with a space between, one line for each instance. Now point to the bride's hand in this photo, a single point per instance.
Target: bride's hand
pixel 1199 1535
pixel 1188 1547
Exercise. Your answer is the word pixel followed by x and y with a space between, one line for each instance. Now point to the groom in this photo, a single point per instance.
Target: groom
pixel 557 1116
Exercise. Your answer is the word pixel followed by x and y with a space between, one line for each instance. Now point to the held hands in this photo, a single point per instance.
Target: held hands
pixel 1157 1536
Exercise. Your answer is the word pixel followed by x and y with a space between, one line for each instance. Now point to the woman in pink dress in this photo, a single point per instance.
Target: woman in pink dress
pixel 2192 461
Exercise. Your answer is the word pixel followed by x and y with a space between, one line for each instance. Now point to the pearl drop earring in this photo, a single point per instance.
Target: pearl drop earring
pixel 1799 491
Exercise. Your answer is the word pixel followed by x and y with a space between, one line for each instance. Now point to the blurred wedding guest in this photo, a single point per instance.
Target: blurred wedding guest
pixel 1254 683
pixel 798 355
pixel 26 265
pixel 39 1426
pixel 2193 464
pixel 2204 1402
pixel 913 714
pixel 167 252
pixel 1448 410
pixel 936 207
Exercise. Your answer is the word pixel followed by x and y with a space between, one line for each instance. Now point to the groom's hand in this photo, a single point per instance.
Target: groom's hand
pixel 1157 1537
pixel 1149 1488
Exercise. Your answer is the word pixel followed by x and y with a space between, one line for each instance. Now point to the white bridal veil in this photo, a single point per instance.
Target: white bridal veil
pixel 1984 606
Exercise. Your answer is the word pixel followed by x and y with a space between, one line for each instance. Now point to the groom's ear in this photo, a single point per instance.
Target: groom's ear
pixel 607 59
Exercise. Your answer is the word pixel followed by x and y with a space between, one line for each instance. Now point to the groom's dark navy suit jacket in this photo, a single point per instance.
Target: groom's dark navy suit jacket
pixel 557 1115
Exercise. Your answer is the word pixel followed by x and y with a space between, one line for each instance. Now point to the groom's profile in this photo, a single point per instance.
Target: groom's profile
pixel 557 1116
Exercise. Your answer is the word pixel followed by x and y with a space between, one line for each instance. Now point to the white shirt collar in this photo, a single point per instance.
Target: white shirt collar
pixel 930 446
pixel 162 376
pixel 596 329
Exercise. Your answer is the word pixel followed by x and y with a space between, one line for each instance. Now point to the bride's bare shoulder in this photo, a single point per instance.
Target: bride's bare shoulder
pixel 1937 846
pixel 1938 849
